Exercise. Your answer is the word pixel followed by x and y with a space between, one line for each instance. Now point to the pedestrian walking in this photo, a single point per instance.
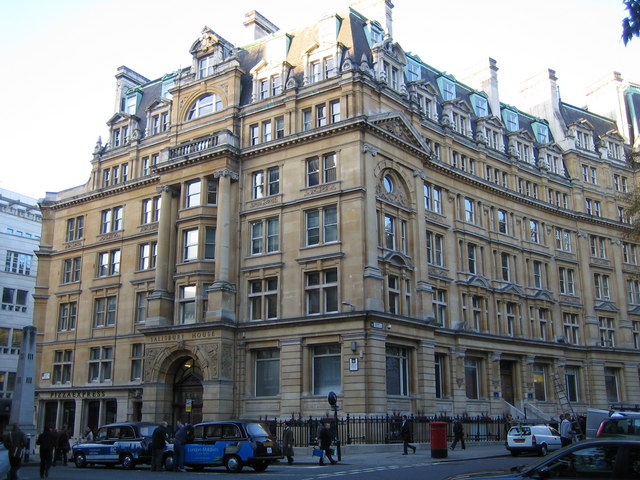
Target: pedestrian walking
pixel 287 442
pixel 158 445
pixel 47 442
pixel 324 437
pixel 15 441
pixel 62 445
pixel 184 435
pixel 405 433
pixel 458 435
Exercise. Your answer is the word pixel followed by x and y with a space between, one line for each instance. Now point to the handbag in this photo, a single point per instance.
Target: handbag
pixel 317 452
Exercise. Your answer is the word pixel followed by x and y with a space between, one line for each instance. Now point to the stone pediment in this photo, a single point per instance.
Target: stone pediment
pixel 119 117
pixel 544 295
pixel 477 281
pixel 397 125
pixel 606 307
pixel 159 103
pixel 634 311
pixel 513 289
pixel 210 42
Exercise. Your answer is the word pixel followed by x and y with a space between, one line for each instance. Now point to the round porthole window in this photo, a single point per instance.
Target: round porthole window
pixel 388 183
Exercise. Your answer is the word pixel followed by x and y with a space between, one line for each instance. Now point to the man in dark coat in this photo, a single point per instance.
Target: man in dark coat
pixel 62 445
pixel 287 442
pixel 324 437
pixel 405 433
pixel 47 443
pixel 458 434
pixel 15 441
pixel 158 445
pixel 181 438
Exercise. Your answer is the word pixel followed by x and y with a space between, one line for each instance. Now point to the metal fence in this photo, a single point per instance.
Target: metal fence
pixel 386 428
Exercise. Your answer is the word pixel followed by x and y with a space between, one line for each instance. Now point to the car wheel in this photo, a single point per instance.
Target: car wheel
pixel 168 462
pixel 514 453
pixel 543 450
pixel 128 463
pixel 80 460
pixel 260 466
pixel 233 464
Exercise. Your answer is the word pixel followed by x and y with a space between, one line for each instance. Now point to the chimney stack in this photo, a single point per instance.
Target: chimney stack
pixel 260 25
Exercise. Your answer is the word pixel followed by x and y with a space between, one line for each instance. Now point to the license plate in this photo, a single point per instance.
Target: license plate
pixel 519 440
pixel 269 450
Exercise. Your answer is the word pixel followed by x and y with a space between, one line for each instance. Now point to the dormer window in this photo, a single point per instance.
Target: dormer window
pixel 376 34
pixel 166 86
pixel 511 120
pixel 493 138
pixel 525 151
pixel 480 105
pixel 206 66
pixel 276 85
pixel 614 150
pixel 541 132
pixel 413 72
pixel 447 88
pixel 204 106
pixel 584 140
pixel 391 74
pixel 130 104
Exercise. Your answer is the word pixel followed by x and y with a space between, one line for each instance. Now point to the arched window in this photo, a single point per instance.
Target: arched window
pixel 204 106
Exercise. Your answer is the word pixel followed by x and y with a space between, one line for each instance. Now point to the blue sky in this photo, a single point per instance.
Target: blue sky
pixel 59 58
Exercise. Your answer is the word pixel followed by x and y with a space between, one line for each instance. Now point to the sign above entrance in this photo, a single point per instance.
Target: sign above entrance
pixel 177 337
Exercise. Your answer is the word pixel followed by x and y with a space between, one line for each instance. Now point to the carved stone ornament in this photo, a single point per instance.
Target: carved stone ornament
pixel 212 352
pixel 151 356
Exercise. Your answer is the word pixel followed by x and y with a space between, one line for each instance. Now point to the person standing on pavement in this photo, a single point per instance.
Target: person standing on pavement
pixel 287 442
pixel 324 438
pixel 405 433
pixel 182 438
pixel 15 441
pixel 158 446
pixel 458 434
pixel 62 445
pixel 566 430
pixel 47 443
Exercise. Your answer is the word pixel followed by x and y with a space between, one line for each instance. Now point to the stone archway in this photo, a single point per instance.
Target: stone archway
pixel 187 390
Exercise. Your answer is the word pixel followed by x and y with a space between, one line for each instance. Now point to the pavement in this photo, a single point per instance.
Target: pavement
pixel 385 454
pixel 390 453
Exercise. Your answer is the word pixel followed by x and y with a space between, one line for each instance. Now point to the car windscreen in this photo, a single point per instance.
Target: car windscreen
pixel 257 430
pixel 147 430
pixel 520 431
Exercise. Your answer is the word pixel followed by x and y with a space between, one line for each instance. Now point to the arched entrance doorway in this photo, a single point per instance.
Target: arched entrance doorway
pixel 187 391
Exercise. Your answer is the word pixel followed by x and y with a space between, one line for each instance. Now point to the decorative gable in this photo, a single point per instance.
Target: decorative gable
pixel 396 124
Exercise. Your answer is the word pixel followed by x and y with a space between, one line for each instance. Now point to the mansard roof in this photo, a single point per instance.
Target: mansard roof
pixel 601 125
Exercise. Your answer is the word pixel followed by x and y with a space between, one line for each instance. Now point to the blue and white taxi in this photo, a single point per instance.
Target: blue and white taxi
pixel 126 444
pixel 232 443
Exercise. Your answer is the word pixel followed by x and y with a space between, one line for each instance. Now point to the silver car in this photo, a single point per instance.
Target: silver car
pixel 538 439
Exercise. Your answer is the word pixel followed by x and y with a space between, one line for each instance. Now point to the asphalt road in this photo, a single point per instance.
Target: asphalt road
pixel 412 467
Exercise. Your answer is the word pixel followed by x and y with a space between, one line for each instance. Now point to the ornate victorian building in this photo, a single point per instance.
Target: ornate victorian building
pixel 323 211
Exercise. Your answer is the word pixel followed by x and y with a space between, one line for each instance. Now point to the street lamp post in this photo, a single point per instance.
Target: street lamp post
pixel 332 398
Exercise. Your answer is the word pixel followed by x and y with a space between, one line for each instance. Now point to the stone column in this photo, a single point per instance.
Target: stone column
pixel 623 334
pixel 292 372
pixel 222 293
pixel 160 312
pixel 425 382
pixel 373 278
pixel 22 403
pixel 424 291
pixel 590 332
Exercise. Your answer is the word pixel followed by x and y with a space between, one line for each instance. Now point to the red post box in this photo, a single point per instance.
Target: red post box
pixel 438 439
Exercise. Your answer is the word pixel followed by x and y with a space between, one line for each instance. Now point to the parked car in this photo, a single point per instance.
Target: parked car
pixel 538 439
pixel 126 444
pixel 234 444
pixel 601 458
pixel 620 425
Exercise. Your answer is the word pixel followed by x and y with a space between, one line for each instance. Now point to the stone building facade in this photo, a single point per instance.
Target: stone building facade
pixel 323 211
pixel 20 224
